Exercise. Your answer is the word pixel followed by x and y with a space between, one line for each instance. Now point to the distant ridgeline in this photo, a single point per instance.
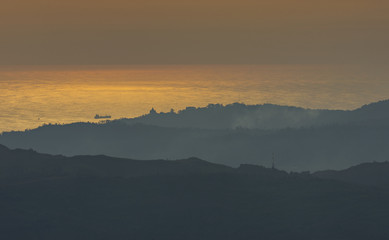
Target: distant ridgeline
pixel 267 116
pixel 20 164
pixel 302 139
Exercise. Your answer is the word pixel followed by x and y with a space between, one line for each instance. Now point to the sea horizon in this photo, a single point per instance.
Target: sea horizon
pixel 34 95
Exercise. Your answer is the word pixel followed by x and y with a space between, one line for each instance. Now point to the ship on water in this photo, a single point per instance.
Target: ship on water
pixel 97 116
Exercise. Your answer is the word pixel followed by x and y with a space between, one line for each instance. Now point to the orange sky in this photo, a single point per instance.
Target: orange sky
pixel 173 31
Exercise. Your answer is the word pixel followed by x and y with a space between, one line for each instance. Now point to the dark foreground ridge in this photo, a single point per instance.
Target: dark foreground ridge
pixel 98 197
pixel 28 163
pixel 369 174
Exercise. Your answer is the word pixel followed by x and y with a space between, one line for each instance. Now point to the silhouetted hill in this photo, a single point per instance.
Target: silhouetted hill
pixel 362 135
pixel 97 197
pixel 375 110
pixel 28 163
pixel 266 116
pixel 319 148
pixel 373 174
pixel 217 116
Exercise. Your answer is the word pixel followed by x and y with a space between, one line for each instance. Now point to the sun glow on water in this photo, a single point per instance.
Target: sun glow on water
pixel 31 96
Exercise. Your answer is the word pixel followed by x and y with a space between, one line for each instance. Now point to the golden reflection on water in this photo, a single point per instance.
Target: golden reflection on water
pixel 31 96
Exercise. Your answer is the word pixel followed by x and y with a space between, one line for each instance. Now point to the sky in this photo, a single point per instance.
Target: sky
pixel 73 32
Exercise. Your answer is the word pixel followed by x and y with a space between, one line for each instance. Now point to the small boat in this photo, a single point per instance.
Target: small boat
pixel 97 116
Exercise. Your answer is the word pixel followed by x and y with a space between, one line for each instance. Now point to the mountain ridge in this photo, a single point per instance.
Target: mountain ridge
pixel 29 163
pixel 97 198
pixel 362 136
pixel 369 174
pixel 262 116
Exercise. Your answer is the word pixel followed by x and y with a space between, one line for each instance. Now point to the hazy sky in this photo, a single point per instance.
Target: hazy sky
pixel 201 31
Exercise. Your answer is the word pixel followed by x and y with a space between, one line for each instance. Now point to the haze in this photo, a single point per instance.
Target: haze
pixel 193 32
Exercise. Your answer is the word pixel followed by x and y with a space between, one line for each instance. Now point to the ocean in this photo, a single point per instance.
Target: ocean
pixel 31 96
